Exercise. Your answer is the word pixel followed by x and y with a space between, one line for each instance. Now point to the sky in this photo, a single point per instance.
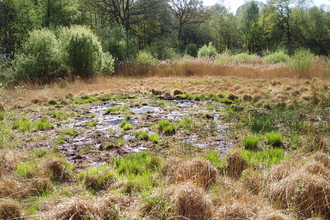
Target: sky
pixel 234 4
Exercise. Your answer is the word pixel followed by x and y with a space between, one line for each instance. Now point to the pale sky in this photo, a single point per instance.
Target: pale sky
pixel 234 4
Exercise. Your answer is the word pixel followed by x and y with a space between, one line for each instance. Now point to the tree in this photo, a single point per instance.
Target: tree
pixel 185 11
pixel 248 25
pixel 58 13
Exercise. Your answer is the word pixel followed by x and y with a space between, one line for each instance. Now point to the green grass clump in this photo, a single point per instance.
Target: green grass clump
pixel 61 138
pixel 97 178
pixel 116 110
pixel 186 123
pixel 154 138
pixel 40 152
pixel 251 142
pixel 26 125
pixel 23 125
pixel 125 125
pixel 70 132
pixel 274 139
pixel 268 157
pixel 86 100
pixel 91 124
pixel 215 158
pixel 166 127
pixel 42 125
pixel 26 169
pixel 142 135
pixel 2 115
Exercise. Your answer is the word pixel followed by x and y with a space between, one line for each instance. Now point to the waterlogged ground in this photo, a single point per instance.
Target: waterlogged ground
pixel 90 131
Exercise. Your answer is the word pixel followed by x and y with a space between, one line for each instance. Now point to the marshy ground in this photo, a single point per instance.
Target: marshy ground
pixel 166 148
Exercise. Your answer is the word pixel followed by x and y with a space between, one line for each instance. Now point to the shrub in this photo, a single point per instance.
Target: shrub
pixel 192 50
pixel 223 59
pixel 277 57
pixel 41 60
pixel 145 59
pixel 82 51
pixel 244 58
pixel 273 138
pixel 251 142
pixel 302 61
pixel 207 51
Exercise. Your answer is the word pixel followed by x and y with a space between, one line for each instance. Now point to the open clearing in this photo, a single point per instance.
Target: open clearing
pixel 166 148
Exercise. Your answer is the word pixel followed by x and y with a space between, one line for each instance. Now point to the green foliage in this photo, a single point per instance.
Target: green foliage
pixel 145 59
pixel 116 110
pixel 41 60
pixel 215 158
pixel 192 50
pixel 244 58
pixel 108 61
pixel 41 152
pixel 207 51
pixel 82 51
pixel 268 157
pixel 251 142
pixel 97 178
pixel 302 61
pixel 277 57
pixel 154 138
pixel 125 125
pixel 142 135
pixel 137 164
pixel 273 138
pixel 166 127
pixel 186 123
pixel 223 59
pixel 91 124
pixel 23 125
pixel 115 41
pixel 26 169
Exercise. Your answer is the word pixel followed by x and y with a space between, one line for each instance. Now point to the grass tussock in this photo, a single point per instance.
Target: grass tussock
pixel 76 208
pixel 10 209
pixel 235 163
pixel 57 169
pixel 201 172
pixel 305 191
pixel 192 203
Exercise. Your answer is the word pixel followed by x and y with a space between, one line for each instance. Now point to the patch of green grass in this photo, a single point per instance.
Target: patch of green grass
pixel 23 125
pixel 70 132
pixel 251 142
pixel 115 142
pixel 154 138
pixel 187 124
pixel 2 115
pixel 42 125
pixel 142 135
pixel 59 115
pixel 274 139
pixel 91 124
pixel 268 157
pixel 124 124
pixel 116 110
pixel 166 127
pixel 215 158
pixel 97 178
pixel 61 138
pixel 26 169
pixel 40 152
pixel 86 100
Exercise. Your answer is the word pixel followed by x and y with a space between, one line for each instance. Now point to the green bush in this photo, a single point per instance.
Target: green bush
pixel 145 59
pixel 244 58
pixel 82 51
pixel 192 50
pixel 41 60
pixel 277 57
pixel 302 61
pixel 223 59
pixel 207 51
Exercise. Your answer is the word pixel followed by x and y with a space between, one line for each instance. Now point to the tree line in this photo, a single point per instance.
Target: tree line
pixel 171 28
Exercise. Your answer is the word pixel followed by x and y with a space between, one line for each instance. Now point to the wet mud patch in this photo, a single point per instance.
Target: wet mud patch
pixel 93 134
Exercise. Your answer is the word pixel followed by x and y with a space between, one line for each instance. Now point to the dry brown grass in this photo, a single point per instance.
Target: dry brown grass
pixel 10 209
pixel 306 191
pixel 198 171
pixel 322 158
pixel 281 171
pixel 56 169
pixel 235 163
pixel 192 203
pixel 77 208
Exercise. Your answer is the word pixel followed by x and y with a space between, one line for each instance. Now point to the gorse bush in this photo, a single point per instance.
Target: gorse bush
pixel 277 57
pixel 41 59
pixel 82 51
pixel 207 51
pixel 302 61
